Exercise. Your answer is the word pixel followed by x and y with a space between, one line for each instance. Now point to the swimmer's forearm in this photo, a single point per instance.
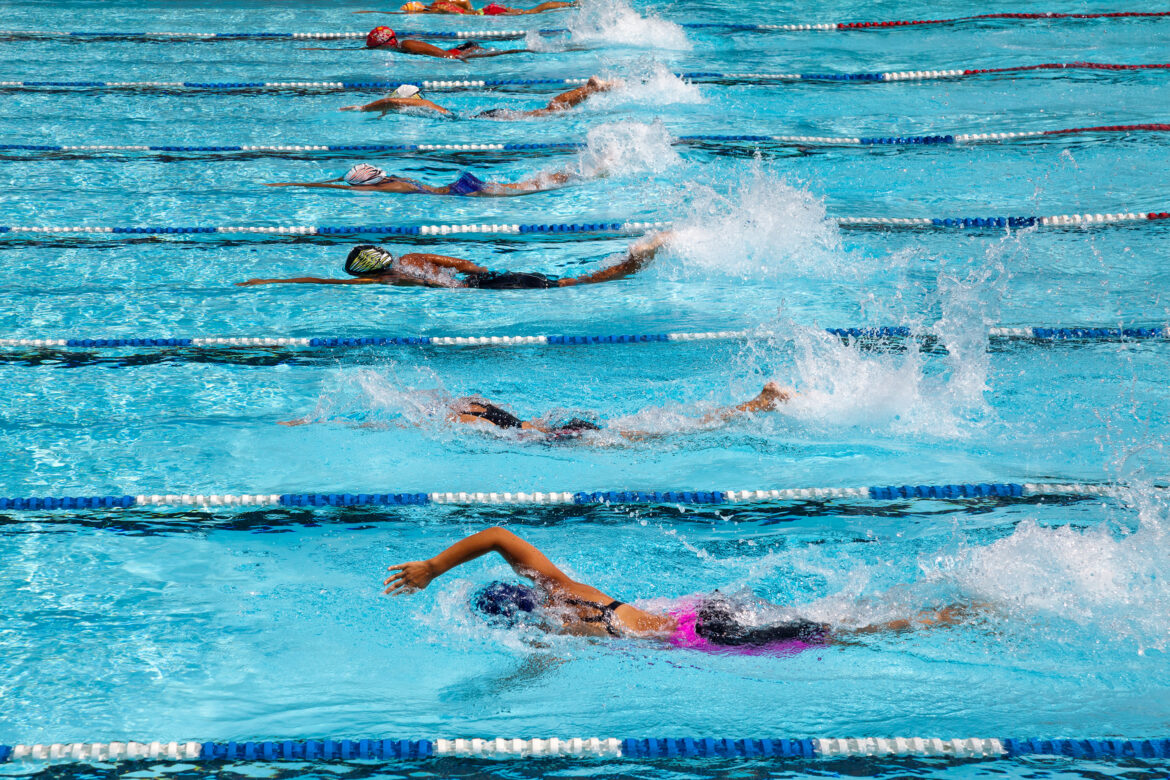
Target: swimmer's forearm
pixel 467 549
pixel 302 280
pixel 522 556
pixel 309 184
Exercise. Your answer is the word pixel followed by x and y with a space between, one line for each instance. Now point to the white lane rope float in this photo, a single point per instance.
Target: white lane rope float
pixel 888 223
pixel 880 333
pixel 397 750
pixel 948 492
pixel 695 76
pixel 946 140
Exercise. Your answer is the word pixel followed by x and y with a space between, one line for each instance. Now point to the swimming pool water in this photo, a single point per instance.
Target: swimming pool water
pixel 219 625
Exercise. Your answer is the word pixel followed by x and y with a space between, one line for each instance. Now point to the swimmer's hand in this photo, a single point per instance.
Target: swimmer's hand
pixel 410 577
pixel 251 283
pixel 350 108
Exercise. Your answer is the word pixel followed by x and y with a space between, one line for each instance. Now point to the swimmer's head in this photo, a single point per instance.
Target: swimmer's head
pixel 413 7
pixel 367 260
pixel 381 36
pixel 364 174
pixel 504 602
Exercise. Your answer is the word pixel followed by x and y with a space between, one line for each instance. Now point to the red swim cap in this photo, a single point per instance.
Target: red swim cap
pixel 495 9
pixel 381 36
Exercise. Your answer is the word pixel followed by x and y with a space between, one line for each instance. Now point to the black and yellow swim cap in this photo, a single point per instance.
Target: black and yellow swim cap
pixel 368 259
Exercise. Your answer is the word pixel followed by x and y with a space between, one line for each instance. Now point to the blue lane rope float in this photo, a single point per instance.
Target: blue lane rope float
pixel 1059 220
pixel 1139 333
pixel 502 34
pixel 963 491
pixel 587 747
pixel 869 77
pixel 939 139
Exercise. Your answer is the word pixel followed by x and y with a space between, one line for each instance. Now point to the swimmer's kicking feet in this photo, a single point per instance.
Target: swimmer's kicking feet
pixel 375 265
pixel 562 102
pixel 368 178
pixel 557 603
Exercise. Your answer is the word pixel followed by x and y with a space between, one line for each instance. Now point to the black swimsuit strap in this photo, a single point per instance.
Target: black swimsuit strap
pixel 605 613
pixel 495 415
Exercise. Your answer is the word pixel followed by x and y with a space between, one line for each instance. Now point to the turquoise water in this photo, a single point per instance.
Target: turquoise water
pixel 269 625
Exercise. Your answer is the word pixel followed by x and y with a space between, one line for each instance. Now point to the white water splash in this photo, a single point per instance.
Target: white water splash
pixel 606 22
pixel 648 82
pixel 762 228
pixel 624 148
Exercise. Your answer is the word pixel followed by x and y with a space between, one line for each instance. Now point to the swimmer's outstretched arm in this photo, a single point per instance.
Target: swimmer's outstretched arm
pixel 949 615
pixel 636 259
pixel 310 280
pixel 325 184
pixel 524 558
pixel 388 104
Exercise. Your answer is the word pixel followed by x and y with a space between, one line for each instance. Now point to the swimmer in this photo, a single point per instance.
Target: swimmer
pixel 478 411
pixel 385 38
pixel 560 604
pixel 562 102
pixel 368 178
pixel 465 7
pixel 374 265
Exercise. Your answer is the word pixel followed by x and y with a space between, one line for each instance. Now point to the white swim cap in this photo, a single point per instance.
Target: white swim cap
pixel 364 173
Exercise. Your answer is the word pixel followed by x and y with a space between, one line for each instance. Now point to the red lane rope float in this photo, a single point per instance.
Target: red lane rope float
pixel 1110 129
pixel 1067 65
pixel 915 22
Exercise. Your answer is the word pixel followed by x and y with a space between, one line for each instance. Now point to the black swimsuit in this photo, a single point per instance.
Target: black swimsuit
pixel 508 280
pixel 605 613
pixel 495 415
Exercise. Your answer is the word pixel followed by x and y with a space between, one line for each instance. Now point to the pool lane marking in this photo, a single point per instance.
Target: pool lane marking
pixel 478 84
pixel 1033 333
pixel 956 491
pixel 581 747
pixel 946 139
pixel 620 228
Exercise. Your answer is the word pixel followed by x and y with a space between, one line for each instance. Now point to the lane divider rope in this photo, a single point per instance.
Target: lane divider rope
pixel 946 139
pixel 906 75
pixel 500 34
pixel 587 747
pixel 389 230
pixel 876 333
pixel 578 498
pixel 1059 220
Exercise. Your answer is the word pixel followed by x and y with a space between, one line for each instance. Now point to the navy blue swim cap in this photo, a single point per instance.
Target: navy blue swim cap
pixel 505 600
